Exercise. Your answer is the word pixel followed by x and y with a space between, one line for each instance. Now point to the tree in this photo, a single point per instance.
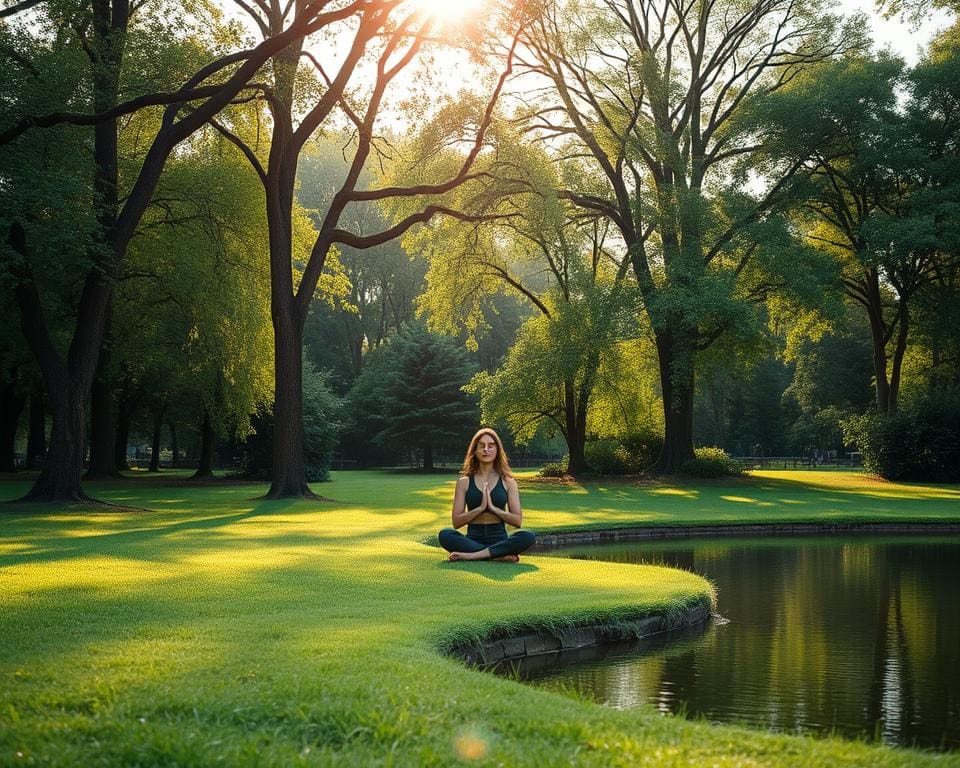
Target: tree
pixel 17 381
pixel 387 35
pixel 832 372
pixel 533 247
pixel 883 196
pixel 411 392
pixel 68 377
pixel 557 360
pixel 193 325
pixel 658 97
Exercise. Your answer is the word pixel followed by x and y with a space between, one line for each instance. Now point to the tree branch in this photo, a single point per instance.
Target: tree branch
pixel 16 8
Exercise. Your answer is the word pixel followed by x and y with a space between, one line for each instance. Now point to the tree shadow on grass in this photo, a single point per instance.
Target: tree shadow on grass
pixel 123 542
pixel 495 571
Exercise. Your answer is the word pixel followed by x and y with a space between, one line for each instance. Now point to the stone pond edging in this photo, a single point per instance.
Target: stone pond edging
pixel 606 535
pixel 547 641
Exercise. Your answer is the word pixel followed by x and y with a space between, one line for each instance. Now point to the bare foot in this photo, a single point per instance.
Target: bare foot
pixel 507 559
pixel 455 556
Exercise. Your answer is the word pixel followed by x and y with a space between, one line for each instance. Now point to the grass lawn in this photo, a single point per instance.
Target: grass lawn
pixel 803 496
pixel 219 628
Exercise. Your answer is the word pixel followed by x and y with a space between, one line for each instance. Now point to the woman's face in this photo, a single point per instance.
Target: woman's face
pixel 486 449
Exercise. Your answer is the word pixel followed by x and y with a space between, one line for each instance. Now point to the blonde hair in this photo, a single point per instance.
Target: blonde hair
pixel 471 463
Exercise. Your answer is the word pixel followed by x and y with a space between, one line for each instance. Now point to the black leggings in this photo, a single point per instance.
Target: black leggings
pixel 493 536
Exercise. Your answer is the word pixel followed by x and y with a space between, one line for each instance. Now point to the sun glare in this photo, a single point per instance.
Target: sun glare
pixel 447 13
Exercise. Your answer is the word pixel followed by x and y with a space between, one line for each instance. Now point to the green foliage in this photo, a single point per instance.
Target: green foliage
pixel 554 469
pixel 643 446
pixel 881 191
pixel 323 420
pixel 380 283
pixel 45 176
pixel 410 393
pixel 192 323
pixel 528 390
pixel 921 442
pixel 665 141
pixel 608 457
pixel 711 462
pixel 740 401
pixel 629 454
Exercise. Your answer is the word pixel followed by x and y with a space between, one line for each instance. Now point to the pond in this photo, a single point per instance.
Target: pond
pixel 853 636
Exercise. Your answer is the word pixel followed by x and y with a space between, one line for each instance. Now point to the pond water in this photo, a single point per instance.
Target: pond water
pixel 853 636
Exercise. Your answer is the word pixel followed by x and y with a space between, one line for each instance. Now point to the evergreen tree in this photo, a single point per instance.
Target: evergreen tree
pixel 410 392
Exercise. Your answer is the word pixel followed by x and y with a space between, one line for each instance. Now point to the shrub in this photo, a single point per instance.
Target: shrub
pixel 921 442
pixel 711 462
pixel 644 448
pixel 627 455
pixel 608 457
pixel 555 468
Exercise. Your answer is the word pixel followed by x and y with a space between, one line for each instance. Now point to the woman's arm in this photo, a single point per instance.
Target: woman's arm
pixel 460 514
pixel 515 515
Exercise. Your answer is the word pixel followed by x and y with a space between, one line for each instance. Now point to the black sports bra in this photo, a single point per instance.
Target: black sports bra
pixel 498 494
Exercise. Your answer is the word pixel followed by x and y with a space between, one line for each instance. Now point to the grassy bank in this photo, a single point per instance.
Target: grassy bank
pixel 224 629
pixel 803 496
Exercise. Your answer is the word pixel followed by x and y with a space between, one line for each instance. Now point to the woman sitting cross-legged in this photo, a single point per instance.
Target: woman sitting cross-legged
pixel 485 499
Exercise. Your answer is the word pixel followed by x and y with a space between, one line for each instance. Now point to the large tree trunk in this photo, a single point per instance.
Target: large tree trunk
pixel 676 382
pixel 893 394
pixel 288 476
pixel 428 458
pixel 125 409
pixel 879 336
pixel 11 406
pixel 106 55
pixel 59 480
pixel 174 446
pixel 102 435
pixel 288 472
pixel 155 444
pixel 37 434
pixel 67 382
pixel 102 455
pixel 575 430
pixel 208 442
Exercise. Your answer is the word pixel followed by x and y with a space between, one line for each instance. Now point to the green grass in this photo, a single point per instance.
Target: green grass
pixel 224 629
pixel 768 496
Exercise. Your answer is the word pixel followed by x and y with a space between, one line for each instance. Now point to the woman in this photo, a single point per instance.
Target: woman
pixel 485 499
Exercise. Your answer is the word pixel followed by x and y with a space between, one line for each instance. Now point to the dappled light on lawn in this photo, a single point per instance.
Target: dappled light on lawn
pixel 239 630
pixel 688 493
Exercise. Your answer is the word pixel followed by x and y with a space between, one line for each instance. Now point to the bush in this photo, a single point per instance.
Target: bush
pixel 921 442
pixel 608 457
pixel 322 423
pixel 555 468
pixel 711 462
pixel 644 448
pixel 628 455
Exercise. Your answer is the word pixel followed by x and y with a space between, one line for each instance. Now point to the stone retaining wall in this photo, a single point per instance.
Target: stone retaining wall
pixel 535 643
pixel 603 536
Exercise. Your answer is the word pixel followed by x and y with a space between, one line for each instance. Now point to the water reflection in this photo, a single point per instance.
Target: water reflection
pixel 855 636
